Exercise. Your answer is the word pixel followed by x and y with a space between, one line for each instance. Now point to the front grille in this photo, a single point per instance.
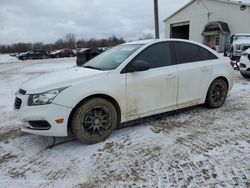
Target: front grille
pixel 18 103
pixel 21 91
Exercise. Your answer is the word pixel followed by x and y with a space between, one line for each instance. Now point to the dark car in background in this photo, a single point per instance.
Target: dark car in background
pixel 85 54
pixel 34 54
pixel 62 53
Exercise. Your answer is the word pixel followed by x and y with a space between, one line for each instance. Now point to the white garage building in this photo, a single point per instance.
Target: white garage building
pixel 209 21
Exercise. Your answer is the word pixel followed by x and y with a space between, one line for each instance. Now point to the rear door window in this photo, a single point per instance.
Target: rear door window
pixel 188 53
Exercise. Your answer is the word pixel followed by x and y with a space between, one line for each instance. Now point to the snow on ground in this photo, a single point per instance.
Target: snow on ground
pixel 6 58
pixel 195 147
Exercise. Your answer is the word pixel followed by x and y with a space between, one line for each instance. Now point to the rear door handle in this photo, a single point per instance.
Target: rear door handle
pixel 170 76
pixel 204 69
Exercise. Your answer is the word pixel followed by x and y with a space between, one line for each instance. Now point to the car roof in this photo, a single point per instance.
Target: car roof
pixel 151 41
pixel 154 41
pixel 244 34
pixel 140 42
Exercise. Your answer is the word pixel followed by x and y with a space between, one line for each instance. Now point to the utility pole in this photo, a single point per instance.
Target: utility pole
pixel 157 33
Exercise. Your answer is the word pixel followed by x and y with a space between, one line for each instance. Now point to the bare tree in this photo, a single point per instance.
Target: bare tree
pixel 70 41
pixel 37 45
pixel 59 44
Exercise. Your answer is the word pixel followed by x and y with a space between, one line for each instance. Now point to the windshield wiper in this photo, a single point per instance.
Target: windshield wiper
pixel 90 67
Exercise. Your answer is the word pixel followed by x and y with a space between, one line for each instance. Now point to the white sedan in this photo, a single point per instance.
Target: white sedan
pixel 245 64
pixel 127 82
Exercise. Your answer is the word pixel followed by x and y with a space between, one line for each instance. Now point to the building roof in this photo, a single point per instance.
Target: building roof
pixel 213 28
pixel 242 2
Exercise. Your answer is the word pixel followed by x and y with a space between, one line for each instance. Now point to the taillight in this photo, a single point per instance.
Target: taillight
pixel 233 63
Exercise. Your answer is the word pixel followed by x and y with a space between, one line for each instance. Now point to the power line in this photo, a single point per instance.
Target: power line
pixel 206 7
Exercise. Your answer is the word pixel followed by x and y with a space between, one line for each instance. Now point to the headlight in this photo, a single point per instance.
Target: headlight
pixel 244 54
pixel 44 98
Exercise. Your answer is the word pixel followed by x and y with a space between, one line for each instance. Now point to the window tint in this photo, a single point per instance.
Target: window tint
pixel 206 55
pixel 157 55
pixel 186 53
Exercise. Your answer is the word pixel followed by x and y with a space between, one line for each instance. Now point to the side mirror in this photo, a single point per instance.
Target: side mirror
pixel 138 66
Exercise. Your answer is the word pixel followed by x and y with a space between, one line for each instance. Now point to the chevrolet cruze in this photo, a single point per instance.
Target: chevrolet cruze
pixel 127 82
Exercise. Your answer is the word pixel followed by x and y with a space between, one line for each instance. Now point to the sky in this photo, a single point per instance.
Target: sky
pixel 48 20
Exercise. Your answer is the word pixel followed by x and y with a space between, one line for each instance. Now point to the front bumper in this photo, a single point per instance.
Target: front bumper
pixel 245 72
pixel 49 113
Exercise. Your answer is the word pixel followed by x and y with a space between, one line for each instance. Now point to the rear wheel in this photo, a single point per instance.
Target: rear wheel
pixel 217 93
pixel 94 120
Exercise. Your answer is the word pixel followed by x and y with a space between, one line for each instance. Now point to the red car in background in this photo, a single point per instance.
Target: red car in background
pixel 62 53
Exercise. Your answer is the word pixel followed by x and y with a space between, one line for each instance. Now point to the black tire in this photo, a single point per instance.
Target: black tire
pixel 226 53
pixel 244 75
pixel 57 56
pixel 217 93
pixel 94 120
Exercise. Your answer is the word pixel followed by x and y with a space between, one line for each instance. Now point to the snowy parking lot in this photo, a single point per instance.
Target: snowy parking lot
pixel 194 147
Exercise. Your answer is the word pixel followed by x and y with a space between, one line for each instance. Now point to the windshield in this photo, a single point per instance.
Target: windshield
pixel 243 37
pixel 112 58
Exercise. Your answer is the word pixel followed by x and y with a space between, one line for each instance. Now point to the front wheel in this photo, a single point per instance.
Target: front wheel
pixel 94 120
pixel 217 93
pixel 232 57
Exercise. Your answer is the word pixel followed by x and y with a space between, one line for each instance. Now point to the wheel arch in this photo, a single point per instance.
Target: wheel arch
pixel 223 78
pixel 212 80
pixel 104 96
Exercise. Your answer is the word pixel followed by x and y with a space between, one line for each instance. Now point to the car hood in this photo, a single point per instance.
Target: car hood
pixel 59 79
pixel 21 54
pixel 238 42
pixel 55 52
